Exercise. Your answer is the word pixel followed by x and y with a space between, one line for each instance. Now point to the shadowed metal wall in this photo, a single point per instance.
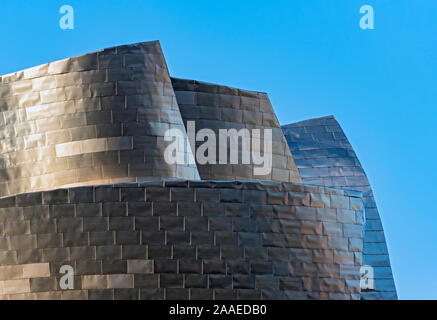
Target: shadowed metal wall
pixel 325 157
pixel 95 118
pixel 219 107
pixel 183 240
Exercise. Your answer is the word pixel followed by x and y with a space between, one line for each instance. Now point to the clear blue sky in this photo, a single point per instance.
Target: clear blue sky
pixel 313 60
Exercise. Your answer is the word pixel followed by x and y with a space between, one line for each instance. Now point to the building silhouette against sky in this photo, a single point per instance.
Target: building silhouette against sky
pixel 84 184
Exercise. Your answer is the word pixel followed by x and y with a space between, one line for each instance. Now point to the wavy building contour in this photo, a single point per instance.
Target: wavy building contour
pixel 84 183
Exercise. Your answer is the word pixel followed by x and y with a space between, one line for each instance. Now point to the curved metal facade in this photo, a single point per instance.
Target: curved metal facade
pixel 84 182
pixel 217 107
pixel 325 157
pixel 182 240
pixel 95 118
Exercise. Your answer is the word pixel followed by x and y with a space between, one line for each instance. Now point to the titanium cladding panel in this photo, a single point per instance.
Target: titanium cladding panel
pixel 91 119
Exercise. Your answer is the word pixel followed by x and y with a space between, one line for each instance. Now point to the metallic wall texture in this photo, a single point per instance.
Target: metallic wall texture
pixel 325 157
pixel 219 107
pixel 90 119
pixel 183 240
pixel 84 182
